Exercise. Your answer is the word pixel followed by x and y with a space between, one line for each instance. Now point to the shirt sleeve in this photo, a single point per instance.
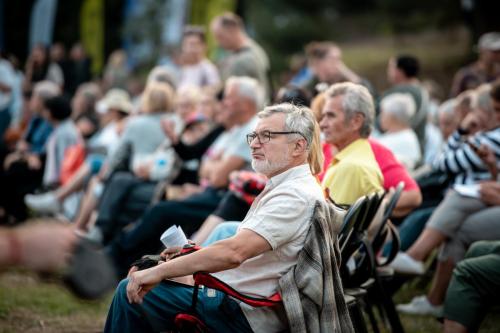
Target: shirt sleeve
pixel 276 220
pixel 349 181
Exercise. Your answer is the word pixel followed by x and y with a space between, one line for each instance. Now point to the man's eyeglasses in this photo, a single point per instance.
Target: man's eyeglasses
pixel 265 136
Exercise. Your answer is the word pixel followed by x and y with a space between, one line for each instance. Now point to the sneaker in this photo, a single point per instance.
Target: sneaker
pixel 43 203
pixel 405 264
pixel 94 235
pixel 420 305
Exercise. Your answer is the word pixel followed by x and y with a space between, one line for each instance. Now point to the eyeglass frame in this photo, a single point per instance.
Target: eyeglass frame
pixel 267 134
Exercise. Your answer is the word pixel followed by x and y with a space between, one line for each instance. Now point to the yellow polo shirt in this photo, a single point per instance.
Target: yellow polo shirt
pixel 354 172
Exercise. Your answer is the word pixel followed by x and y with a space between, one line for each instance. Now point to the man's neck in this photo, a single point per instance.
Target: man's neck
pixel 342 145
pixel 292 165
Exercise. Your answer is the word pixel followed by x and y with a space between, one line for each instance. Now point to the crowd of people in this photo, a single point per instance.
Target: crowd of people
pixel 204 146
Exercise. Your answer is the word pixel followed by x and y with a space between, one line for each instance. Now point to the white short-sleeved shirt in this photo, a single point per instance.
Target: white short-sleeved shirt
pixel 404 145
pixel 281 214
pixel 233 142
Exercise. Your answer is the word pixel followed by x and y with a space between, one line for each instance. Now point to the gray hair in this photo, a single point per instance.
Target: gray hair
pixel 162 74
pixel 46 89
pixel 447 107
pixel 249 88
pixel 400 105
pixel 357 99
pixel 297 119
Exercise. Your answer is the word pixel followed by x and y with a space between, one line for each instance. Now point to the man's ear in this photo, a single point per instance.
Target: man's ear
pixel 299 147
pixel 357 121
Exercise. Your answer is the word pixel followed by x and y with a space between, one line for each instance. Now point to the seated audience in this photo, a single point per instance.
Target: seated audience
pixel 463 216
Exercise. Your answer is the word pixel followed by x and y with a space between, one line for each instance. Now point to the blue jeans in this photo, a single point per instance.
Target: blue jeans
pixel 222 231
pixel 160 306
pixel 411 228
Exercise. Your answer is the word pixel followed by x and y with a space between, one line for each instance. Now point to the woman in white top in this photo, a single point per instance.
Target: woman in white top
pixel 396 111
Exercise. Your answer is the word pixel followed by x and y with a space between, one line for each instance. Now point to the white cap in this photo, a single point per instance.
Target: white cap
pixel 489 41
pixel 117 99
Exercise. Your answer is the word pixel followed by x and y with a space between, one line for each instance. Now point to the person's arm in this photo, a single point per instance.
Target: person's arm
pixel 223 255
pixel 490 193
pixel 38 246
pixel 206 228
pixel 217 171
pixel 196 150
pixel 408 201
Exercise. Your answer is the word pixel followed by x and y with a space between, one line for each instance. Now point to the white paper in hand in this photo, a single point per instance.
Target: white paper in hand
pixel 471 191
pixel 174 237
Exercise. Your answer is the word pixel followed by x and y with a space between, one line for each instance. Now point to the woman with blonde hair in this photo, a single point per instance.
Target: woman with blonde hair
pixel 127 193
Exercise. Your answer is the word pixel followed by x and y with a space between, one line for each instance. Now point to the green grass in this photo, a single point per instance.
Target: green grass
pixel 31 304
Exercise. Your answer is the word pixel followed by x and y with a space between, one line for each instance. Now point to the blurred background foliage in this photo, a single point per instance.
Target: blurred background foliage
pixel 442 33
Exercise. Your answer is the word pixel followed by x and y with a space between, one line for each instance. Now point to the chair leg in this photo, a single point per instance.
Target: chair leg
pixel 389 307
pixel 357 318
pixel 371 316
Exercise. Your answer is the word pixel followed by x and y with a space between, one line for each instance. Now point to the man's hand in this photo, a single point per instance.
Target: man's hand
pixel 490 193
pixel 140 283
pixel 170 252
pixel 34 162
pixel 488 158
pixel 142 171
pixel 168 127
pixel 473 122
pixel 45 246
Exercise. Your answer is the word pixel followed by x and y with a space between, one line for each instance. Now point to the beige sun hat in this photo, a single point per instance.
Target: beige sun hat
pixel 117 99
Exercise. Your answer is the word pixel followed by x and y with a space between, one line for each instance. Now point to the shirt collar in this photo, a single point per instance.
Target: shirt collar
pixel 353 146
pixel 292 173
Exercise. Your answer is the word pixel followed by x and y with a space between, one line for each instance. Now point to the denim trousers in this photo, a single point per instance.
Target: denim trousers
pixel 160 306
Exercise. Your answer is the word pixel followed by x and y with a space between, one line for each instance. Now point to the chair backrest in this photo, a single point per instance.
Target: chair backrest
pixel 384 228
pixel 352 221
pixel 357 247
pixel 374 201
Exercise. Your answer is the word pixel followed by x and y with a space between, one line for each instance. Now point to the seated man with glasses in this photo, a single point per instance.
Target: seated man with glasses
pixel 265 247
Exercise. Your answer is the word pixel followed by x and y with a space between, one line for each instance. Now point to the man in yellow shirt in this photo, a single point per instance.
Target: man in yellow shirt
pixel 346 123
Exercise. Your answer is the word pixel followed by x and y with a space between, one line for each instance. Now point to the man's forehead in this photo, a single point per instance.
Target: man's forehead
pixel 274 121
pixel 333 104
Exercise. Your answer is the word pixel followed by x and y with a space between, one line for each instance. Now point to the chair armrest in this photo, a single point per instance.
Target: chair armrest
pixel 210 281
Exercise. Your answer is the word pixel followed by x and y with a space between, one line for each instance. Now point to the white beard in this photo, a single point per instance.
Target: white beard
pixel 267 168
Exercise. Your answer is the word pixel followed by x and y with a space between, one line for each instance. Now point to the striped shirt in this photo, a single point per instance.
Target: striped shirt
pixel 460 160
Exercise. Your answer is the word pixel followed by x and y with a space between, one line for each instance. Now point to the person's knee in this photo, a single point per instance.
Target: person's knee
pixel 121 291
pixel 121 177
pixel 478 249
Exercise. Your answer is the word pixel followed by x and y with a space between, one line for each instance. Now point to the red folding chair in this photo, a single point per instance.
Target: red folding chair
pixel 188 322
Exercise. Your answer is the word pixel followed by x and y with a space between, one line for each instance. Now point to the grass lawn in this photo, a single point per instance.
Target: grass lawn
pixel 31 304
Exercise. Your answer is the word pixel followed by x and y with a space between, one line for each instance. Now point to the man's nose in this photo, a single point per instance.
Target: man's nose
pixel 255 143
